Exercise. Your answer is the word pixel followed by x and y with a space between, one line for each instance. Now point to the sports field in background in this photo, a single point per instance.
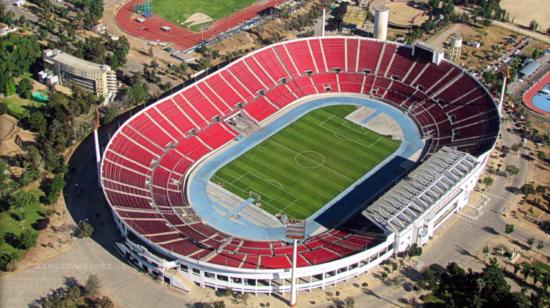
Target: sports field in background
pixel 306 164
pixel 180 10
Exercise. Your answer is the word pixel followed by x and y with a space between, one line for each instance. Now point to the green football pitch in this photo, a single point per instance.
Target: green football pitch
pixel 306 164
pixel 177 11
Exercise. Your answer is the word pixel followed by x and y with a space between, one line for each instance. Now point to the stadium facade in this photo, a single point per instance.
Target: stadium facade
pixel 147 163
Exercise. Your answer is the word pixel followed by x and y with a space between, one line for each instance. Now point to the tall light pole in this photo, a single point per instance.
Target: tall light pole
pixel 505 75
pixel 295 230
pixel 97 148
pixel 323 23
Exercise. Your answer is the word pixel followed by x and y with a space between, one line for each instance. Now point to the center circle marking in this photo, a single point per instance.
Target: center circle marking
pixel 310 159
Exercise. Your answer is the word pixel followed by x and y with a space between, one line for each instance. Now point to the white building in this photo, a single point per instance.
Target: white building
pixel 96 78
pixel 420 203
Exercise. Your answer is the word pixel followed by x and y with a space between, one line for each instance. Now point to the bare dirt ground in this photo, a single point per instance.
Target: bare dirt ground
pixel 403 14
pixel 241 41
pixel 8 134
pixel 522 12
pixel 197 19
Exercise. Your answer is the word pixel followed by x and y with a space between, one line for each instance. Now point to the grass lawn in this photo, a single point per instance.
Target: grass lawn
pixel 306 164
pixel 10 224
pixel 178 10
pixel 19 107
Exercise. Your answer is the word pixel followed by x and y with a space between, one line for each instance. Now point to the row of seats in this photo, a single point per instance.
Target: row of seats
pixel 145 164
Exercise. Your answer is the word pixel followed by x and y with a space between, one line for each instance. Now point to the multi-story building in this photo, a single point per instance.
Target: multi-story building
pixel 96 78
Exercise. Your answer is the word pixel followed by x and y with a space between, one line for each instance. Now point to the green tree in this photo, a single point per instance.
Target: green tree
pixel 487 181
pixel 512 170
pixel 137 94
pixel 526 270
pixel 38 122
pixel 349 302
pixel 104 302
pixel 10 87
pixel 485 251
pixel 22 199
pixel 27 239
pixel 85 229
pixel 527 189
pixel 24 88
pixel 540 245
pixel 530 242
pixel 536 53
pixel 509 229
pixel 415 250
pixel 92 285
pixel 534 25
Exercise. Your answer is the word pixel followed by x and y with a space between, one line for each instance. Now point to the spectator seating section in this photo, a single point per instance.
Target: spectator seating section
pixel 145 164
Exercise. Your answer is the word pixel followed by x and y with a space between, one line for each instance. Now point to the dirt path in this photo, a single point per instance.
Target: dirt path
pixel 439 39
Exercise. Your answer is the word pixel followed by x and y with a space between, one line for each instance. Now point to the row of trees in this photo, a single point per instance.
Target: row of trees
pixel 74 294
pixel 456 287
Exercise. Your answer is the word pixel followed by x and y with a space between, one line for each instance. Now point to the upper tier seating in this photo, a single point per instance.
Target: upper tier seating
pixel 145 164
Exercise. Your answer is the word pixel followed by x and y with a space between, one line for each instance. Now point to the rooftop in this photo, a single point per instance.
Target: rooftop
pixel 73 61
pixel 421 189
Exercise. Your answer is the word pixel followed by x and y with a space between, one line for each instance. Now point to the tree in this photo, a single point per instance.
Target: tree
pixel 349 302
pixel 508 229
pixel 530 242
pixel 540 245
pixel 517 267
pixel 92 285
pixel 534 25
pixel 27 239
pixel 536 53
pixel 38 123
pixel 24 89
pixel 515 147
pixel 512 170
pixel 3 108
pixel 10 87
pixel 85 229
pixel 527 189
pixel 485 252
pixel 487 181
pixel 525 270
pixel 104 302
pixel 415 250
pixel 54 188
pixel 137 94
pixel 22 199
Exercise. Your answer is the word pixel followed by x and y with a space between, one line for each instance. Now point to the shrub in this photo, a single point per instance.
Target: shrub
pixel 85 229
pixel 41 224
pixel 92 285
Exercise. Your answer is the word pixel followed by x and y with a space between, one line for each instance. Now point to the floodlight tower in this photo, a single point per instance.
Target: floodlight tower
pixel 97 148
pixel 505 70
pixel 323 22
pixel 295 230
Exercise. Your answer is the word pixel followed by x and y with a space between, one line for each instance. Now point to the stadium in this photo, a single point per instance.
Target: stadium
pixel 365 147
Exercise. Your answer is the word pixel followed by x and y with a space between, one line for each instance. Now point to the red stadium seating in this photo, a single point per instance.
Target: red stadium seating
pixel 147 160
